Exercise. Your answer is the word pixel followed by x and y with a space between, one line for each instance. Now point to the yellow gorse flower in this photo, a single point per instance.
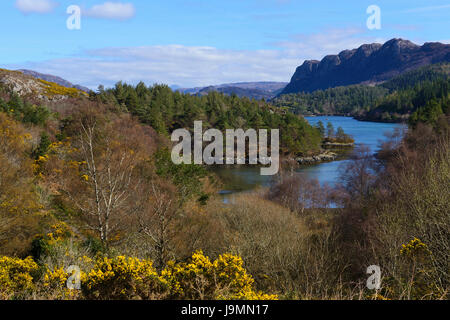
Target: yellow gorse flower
pixel 16 276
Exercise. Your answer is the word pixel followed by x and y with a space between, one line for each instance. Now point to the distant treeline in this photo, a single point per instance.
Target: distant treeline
pixel 339 100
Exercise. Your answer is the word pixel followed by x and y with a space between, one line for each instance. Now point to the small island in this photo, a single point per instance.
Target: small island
pixel 334 143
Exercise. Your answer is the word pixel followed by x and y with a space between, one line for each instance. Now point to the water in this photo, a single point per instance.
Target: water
pixel 244 178
pixel 364 132
pixel 370 134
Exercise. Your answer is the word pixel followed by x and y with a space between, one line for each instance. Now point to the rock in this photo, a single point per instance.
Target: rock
pixel 327 156
pixel 28 86
pixel 370 63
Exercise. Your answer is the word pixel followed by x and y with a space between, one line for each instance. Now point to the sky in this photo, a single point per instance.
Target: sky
pixel 192 43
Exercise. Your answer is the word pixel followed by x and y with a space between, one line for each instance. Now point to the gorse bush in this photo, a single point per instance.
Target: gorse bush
pixel 93 185
pixel 16 277
pixel 54 89
pixel 201 278
pixel 123 278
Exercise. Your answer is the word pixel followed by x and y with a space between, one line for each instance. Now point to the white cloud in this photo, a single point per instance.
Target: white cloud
pixel 112 10
pixel 36 6
pixel 316 46
pixel 191 66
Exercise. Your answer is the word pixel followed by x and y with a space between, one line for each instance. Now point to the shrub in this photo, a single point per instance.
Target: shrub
pixel 16 279
pixel 121 278
pixel 225 278
pixel 53 89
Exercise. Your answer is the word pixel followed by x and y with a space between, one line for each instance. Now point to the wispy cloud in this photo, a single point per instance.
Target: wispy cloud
pixel 35 6
pixel 112 10
pixel 315 46
pixel 192 66
pixel 429 8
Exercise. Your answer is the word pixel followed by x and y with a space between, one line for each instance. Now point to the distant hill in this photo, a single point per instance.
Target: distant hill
pixel 369 64
pixel 55 79
pixel 252 90
pixel 395 100
pixel 28 86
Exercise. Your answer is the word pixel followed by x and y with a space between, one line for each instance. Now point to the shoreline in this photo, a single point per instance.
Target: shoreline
pixel 326 156
pixel 356 117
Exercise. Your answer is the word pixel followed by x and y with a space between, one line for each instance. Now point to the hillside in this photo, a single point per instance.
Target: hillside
pixel 91 180
pixel 27 98
pixel 369 64
pixel 251 90
pixel 55 79
pixel 392 101
pixel 166 110
pixel 35 88
pixel 422 93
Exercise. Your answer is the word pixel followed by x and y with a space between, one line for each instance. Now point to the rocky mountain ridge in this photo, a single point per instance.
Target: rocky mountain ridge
pixel 368 64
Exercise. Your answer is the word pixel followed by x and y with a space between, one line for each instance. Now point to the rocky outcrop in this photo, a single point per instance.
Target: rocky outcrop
pixel 55 79
pixel 370 63
pixel 338 144
pixel 19 84
pixel 29 86
pixel 323 157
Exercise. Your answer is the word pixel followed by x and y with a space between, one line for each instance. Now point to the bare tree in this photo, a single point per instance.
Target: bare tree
pixel 105 182
pixel 358 176
pixel 156 217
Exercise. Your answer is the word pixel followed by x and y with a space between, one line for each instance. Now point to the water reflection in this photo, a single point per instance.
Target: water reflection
pixel 243 178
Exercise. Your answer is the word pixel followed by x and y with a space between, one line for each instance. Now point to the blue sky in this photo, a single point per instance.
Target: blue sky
pixel 201 42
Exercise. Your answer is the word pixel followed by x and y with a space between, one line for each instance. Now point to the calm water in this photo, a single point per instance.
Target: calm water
pixel 238 179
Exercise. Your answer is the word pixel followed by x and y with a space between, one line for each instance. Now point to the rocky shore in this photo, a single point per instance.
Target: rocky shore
pixel 326 156
pixel 338 144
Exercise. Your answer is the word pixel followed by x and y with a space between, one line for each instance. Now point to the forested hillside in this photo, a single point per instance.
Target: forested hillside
pixel 395 100
pixel 88 181
pixel 423 90
pixel 166 110
pixel 336 101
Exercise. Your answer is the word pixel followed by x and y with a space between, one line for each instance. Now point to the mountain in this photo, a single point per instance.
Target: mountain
pixel 252 90
pixel 396 100
pixel 369 64
pixel 54 79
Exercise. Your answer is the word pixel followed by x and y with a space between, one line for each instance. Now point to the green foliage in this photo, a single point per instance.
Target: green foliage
pixel 409 79
pixel 404 102
pixel 24 111
pixel 330 130
pixel 430 113
pixel 167 111
pixel 321 128
pixel 393 101
pixel 187 177
pixel 339 100
pixel 42 148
